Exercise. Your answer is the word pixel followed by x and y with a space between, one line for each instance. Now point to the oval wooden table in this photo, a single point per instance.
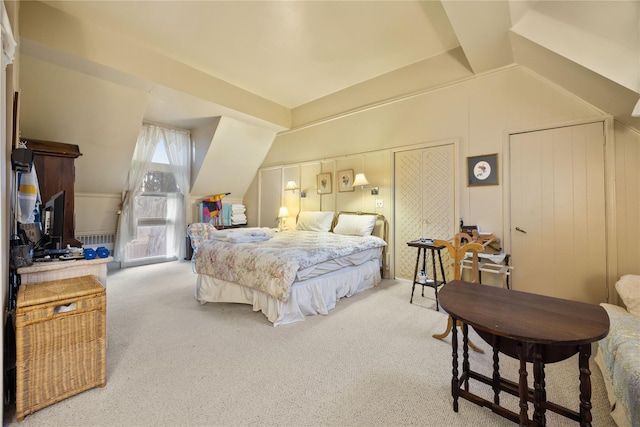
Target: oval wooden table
pixel 528 327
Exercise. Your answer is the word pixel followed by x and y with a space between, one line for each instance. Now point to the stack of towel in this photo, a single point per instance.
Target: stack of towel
pixel 238 216
pixel 226 214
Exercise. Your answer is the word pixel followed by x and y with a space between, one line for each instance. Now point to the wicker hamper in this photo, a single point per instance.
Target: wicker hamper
pixel 60 341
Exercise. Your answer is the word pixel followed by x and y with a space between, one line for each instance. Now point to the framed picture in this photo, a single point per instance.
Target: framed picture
pixel 345 180
pixel 324 183
pixel 482 170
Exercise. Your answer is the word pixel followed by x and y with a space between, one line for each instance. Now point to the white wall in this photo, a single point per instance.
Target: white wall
pixel 479 113
pixel 102 118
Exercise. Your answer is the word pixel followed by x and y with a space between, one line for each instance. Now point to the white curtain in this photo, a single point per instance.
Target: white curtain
pixel 178 153
pixel 148 139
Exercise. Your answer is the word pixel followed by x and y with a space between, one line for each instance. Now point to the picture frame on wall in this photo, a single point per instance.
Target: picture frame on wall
pixel 482 170
pixel 324 183
pixel 345 180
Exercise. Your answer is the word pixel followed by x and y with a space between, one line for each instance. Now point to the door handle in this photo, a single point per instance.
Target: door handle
pixel 520 230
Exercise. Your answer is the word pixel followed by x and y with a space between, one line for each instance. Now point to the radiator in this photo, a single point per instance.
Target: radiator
pixel 95 240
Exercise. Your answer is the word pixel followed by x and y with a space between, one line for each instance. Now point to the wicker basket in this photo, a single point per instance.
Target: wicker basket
pixel 60 341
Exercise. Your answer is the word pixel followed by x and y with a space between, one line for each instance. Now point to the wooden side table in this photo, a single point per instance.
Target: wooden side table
pixel 531 328
pixel 423 245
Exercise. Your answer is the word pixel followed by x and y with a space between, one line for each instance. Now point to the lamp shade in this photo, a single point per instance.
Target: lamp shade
pixel 360 180
pixel 284 212
pixel 291 185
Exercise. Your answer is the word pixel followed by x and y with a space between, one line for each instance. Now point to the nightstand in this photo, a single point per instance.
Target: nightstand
pixel 423 245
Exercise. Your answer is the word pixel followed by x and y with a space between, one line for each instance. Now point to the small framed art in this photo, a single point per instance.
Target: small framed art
pixel 324 183
pixel 345 180
pixel 482 170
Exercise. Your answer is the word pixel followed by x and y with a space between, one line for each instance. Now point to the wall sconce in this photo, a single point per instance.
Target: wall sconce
pixel 360 181
pixel 291 185
pixel 282 218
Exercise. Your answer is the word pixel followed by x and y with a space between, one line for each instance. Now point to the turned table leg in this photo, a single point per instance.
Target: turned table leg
pixel 454 380
pixel 585 385
pixel 450 328
pixel 539 392
pixel 523 387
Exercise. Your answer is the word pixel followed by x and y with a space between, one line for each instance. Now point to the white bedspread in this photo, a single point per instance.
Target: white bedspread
pixel 271 266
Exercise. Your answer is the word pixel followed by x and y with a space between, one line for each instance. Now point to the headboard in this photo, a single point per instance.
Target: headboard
pixel 380 230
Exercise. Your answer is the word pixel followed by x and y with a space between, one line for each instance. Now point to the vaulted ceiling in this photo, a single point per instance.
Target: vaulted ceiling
pixel 291 53
pixel 238 72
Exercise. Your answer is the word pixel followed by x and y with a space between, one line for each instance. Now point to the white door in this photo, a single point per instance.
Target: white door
pixel 424 202
pixel 558 239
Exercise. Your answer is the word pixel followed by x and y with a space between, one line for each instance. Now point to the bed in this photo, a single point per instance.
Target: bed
pixel 291 274
pixel 618 355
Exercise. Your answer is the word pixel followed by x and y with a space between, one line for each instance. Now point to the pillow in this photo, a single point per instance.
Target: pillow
pixel 314 221
pixel 355 225
pixel 628 288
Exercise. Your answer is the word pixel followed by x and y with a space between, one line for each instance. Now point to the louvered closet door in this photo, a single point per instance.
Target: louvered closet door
pixel 424 202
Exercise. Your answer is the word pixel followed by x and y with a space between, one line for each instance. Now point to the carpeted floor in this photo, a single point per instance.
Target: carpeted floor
pixel 370 362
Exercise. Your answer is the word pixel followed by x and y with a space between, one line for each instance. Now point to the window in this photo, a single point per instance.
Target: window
pixel 156 208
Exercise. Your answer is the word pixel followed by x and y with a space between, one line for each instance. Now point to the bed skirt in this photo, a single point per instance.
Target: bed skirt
pixel 308 297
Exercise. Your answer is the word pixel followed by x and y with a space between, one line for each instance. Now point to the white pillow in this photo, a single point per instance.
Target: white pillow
pixel 628 288
pixel 355 225
pixel 314 221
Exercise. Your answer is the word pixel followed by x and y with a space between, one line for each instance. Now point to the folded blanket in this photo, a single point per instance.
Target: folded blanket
pixel 247 239
pixel 496 259
pixel 242 235
pixel 236 220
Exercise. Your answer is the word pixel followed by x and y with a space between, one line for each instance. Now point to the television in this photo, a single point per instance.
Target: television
pixel 53 221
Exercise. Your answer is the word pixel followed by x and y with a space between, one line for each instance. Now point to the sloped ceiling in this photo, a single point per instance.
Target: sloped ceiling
pixel 294 52
pixel 272 65
pixel 290 52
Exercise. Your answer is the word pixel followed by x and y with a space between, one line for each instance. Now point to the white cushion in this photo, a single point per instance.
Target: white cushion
pixel 355 225
pixel 628 288
pixel 314 221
